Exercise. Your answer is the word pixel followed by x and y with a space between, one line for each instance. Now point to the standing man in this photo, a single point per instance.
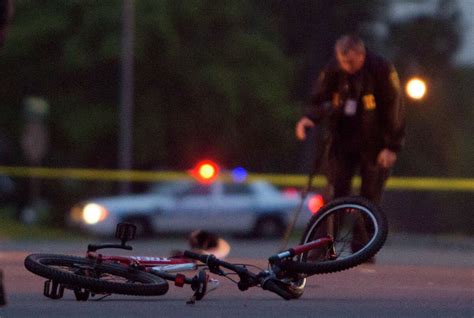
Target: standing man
pixel 359 93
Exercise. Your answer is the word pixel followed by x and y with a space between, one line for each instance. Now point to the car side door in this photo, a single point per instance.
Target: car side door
pixel 192 208
pixel 235 204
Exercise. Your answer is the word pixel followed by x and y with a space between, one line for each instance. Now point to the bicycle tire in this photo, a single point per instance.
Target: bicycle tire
pixel 138 283
pixel 380 231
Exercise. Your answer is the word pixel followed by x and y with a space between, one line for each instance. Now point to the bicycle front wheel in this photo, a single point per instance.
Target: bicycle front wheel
pixel 358 228
pixel 78 272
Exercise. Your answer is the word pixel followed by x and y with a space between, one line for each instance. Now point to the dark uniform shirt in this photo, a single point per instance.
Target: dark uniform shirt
pixel 365 109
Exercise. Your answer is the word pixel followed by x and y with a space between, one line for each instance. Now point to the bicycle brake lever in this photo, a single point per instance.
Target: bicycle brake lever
pixel 216 270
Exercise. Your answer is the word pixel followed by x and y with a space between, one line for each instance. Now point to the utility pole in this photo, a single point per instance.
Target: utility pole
pixel 126 92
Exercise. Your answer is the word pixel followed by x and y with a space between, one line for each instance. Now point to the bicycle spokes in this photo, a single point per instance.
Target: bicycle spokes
pixel 350 229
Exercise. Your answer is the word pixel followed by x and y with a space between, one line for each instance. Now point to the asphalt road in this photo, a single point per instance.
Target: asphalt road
pixel 408 280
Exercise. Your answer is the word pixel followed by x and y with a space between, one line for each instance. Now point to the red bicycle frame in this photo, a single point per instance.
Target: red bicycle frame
pixel 171 264
pixel 300 249
pixel 177 263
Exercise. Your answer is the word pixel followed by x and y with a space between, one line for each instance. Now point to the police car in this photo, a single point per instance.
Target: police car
pixel 257 208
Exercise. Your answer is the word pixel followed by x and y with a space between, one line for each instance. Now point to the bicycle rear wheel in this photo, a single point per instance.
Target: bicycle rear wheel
pixel 359 230
pixel 77 272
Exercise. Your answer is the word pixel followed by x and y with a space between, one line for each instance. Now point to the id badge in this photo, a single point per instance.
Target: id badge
pixel 350 107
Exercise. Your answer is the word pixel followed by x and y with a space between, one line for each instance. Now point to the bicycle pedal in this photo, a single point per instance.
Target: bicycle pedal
pixel 53 289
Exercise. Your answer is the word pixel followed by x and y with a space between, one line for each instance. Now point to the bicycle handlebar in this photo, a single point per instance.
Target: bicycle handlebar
pixel 203 258
pixel 213 263
pixel 270 285
pixel 248 279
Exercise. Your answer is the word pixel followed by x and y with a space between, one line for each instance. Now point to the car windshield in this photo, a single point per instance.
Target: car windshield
pixel 196 189
pixel 170 188
pixel 237 189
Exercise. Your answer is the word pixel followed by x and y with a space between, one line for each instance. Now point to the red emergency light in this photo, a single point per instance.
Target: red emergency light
pixel 315 202
pixel 205 171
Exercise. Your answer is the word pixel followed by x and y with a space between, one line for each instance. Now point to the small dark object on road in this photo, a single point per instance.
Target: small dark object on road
pixel 208 243
pixel 204 242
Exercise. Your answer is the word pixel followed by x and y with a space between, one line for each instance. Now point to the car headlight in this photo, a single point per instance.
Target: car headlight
pixel 93 213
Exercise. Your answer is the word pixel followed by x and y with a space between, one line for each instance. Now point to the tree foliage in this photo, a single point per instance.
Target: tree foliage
pixel 211 80
pixel 217 78
pixel 214 74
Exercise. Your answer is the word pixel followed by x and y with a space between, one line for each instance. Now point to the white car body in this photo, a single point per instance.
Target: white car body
pixel 183 206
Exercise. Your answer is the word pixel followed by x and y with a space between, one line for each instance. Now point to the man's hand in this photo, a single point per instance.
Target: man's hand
pixel 301 126
pixel 386 158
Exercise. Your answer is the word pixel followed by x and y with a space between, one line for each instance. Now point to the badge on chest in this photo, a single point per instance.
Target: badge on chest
pixel 369 102
pixel 350 107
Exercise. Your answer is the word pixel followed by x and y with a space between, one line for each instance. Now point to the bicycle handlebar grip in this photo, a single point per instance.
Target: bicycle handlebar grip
pixel 273 287
pixel 200 257
pixel 95 247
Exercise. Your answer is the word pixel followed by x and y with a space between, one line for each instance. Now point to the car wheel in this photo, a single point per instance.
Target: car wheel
pixel 143 224
pixel 269 227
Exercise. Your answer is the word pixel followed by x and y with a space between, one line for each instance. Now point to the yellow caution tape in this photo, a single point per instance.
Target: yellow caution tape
pixel 290 180
pixel 91 174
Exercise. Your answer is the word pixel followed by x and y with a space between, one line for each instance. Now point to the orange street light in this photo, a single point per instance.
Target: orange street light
pixel 416 88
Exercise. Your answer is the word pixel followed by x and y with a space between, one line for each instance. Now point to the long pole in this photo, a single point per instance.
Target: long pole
pixel 127 91
pixel 3 300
